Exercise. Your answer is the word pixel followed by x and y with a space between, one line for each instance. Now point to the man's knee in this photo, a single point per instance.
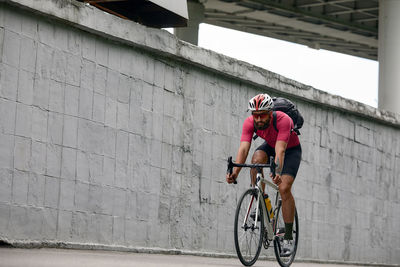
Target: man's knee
pixel 259 157
pixel 286 186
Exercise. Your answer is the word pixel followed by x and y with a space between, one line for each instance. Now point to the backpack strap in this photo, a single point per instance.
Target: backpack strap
pixel 274 121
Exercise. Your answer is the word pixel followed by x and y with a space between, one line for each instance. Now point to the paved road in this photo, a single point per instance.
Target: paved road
pixel 11 257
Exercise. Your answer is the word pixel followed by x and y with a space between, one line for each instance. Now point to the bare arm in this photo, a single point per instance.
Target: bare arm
pixel 241 157
pixel 280 149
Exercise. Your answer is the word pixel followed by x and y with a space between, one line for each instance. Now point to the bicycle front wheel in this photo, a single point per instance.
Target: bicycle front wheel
pixel 248 230
pixel 285 261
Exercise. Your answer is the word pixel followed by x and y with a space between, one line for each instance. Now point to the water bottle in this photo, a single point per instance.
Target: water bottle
pixel 269 206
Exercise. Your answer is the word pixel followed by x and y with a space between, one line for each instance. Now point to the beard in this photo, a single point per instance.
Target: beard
pixel 261 127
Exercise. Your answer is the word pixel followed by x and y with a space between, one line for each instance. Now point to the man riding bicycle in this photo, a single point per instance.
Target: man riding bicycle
pixel 280 142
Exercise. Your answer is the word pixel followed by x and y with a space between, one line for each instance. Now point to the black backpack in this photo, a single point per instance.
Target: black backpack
pixel 286 106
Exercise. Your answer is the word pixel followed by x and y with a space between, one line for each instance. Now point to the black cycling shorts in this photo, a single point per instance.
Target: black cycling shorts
pixel 292 158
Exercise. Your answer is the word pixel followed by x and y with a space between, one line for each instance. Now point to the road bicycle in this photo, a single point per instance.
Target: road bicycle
pixel 251 234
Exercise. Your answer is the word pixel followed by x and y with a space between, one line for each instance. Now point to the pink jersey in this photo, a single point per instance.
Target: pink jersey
pixel 284 124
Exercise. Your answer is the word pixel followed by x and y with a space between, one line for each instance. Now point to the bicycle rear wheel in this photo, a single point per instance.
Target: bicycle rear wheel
pixel 248 231
pixel 279 233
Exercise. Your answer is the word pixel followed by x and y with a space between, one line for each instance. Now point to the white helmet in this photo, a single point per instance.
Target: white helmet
pixel 261 102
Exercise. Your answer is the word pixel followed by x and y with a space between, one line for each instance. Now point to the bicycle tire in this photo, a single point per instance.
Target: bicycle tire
pixel 286 261
pixel 256 234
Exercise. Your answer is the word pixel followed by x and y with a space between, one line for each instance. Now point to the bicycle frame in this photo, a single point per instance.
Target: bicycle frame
pixel 266 214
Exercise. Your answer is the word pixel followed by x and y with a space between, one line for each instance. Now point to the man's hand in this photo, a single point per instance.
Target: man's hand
pixel 277 179
pixel 230 178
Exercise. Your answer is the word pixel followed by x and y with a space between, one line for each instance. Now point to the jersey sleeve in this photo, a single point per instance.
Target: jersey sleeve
pixel 247 131
pixel 285 126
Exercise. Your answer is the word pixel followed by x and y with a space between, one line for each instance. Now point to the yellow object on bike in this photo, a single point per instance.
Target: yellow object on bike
pixel 269 206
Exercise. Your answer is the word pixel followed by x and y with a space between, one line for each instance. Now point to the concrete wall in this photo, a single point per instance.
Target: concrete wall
pixel 116 135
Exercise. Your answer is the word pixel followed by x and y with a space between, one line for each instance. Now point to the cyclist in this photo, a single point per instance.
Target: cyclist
pixel 281 143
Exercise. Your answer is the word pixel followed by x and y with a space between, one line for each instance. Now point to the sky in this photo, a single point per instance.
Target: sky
pixel 339 74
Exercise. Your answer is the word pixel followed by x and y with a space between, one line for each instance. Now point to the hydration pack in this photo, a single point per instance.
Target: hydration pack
pixel 287 106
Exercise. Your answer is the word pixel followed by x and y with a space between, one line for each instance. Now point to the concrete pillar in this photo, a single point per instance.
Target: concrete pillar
pixel 389 55
pixel 196 15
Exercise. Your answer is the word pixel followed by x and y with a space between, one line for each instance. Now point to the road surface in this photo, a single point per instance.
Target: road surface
pixel 13 257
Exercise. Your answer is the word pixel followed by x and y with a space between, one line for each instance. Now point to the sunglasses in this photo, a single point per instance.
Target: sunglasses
pixel 261 116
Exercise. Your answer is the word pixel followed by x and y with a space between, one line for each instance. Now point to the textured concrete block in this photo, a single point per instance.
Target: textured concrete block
pixel 100 80
pixel 126 60
pixel 135 232
pixel 45 55
pixel 64 225
pixel 166 160
pixel 131 205
pixel 121 174
pixel 110 142
pixel 99 107
pixel 85 103
pixel 53 162
pixel 80 224
pixel 107 199
pixel 59 65
pixel 157 127
pixel 71 104
pixel 156 153
pixel 74 42
pixel 39 124
pixel 159 70
pixel 25 87
pixel 22 154
pixel 139 60
pixel 41 93
pixel 81 199
pixel 95 204
pixel 111 113
pixel 87 74
pixel 6 151
pixel 88 47
pixel 100 228
pixel 124 89
pixel 119 202
pixel 34 223
pixel 27 60
pixel 148 70
pixel 101 52
pixel 95 169
pixel 19 218
pixel 4 218
pixel 73 70
pixel 108 175
pixel 51 194
pixel 49 226
pixel 114 57
pixel 91 136
pixel 123 116
pixel 38 157
pixel 7 120
pixel 167 130
pixel 11 48
pixel 147 97
pixel 118 230
pixel 122 146
pixel 68 163
pixel 112 84
pixel 24 120
pixel 70 131
pixel 36 190
pixel 55 131
pixel 1 40
pixel 82 166
pixel 364 135
pixel 67 194
pixel 8 82
pixel 5 186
